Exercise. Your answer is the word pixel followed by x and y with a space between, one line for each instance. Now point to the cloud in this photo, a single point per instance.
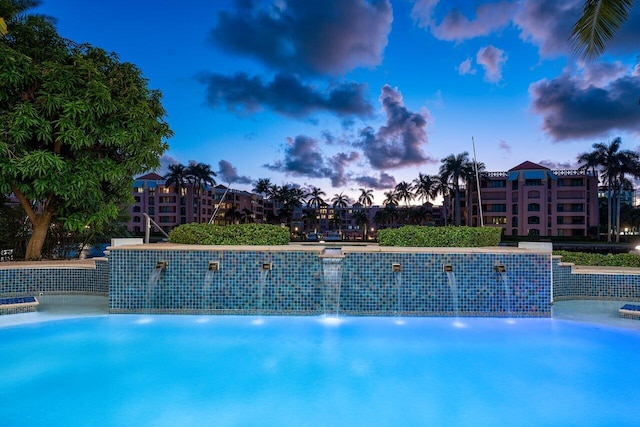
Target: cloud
pixel 286 94
pixel 383 182
pixel 229 173
pixel 399 142
pixel 492 60
pixel 466 67
pixel 165 161
pixel 572 106
pixel 302 157
pixel 318 37
pixel 503 146
pixel 455 26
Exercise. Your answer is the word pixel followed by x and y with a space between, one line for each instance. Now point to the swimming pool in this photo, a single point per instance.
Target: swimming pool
pixel 236 371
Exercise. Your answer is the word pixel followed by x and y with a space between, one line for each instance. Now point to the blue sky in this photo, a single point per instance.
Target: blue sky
pixel 345 94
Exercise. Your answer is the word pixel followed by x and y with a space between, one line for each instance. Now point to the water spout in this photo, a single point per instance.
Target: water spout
pixel 453 287
pixel 332 275
pixel 212 268
pixel 262 283
pixel 506 289
pixel 154 278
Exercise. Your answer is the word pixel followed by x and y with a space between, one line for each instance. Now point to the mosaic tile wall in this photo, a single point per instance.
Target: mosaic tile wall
pixel 302 283
pixel 293 285
pixel 567 285
pixel 422 287
pixel 32 281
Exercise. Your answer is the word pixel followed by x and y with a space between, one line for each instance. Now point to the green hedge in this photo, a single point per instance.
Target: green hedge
pixel 608 260
pixel 236 234
pixel 420 236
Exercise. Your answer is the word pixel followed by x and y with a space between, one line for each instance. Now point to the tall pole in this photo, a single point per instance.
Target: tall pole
pixel 215 212
pixel 475 162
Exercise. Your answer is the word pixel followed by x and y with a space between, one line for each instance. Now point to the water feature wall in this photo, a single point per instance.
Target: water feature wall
pixel 300 280
pixel 29 278
pixel 572 282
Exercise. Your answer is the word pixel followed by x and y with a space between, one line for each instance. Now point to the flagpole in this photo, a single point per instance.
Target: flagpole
pixel 475 162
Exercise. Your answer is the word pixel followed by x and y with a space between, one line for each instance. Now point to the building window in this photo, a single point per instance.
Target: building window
pixel 533 194
pixel 139 190
pixel 498 220
pixel 533 207
pixel 498 208
pixel 514 221
pixel 514 185
pixel 167 209
pixel 533 220
pixel 514 232
pixel 152 201
pixel 532 182
pixel 136 219
pixel 136 199
pixel 136 208
pixel 514 209
pixel 165 190
pixel 534 232
pixel 498 184
pixel 167 199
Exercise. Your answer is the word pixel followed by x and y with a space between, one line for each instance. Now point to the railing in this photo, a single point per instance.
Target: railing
pixel 147 227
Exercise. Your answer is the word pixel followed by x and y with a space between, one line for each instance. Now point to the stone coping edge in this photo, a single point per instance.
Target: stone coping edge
pixel 320 248
pixel 75 264
pixel 596 269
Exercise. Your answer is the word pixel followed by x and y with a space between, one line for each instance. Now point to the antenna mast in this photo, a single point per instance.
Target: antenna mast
pixel 475 162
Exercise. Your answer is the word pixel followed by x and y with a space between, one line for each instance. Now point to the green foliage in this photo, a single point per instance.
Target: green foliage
pixel 420 236
pixel 608 260
pixel 76 124
pixel 236 234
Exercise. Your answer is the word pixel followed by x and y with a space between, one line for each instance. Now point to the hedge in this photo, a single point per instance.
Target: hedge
pixel 235 234
pixel 420 236
pixel 608 260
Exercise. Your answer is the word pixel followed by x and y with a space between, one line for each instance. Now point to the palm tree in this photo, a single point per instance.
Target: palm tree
pixel 262 186
pixel 340 201
pixel 366 197
pixel 456 170
pixel 200 175
pixel 404 191
pixel 178 177
pixel 315 201
pixel 614 165
pixel 443 187
pixel 391 198
pixel 596 26
pixel 426 187
pixel 247 216
pixel 362 219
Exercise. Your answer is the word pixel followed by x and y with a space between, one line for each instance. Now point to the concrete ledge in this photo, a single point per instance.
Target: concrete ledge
pixel 62 264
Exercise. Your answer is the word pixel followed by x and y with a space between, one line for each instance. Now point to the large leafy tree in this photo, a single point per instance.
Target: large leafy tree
pixel 76 125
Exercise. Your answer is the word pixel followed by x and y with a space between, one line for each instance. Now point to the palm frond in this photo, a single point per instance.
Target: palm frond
pixel 599 21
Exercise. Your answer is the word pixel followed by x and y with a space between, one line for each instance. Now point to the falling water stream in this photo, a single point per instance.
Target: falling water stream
pixel 451 278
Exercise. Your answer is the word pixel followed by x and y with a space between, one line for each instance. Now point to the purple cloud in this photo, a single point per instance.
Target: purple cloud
pixel 383 182
pixel 455 26
pixel 399 142
pixel 318 37
pixel 503 146
pixel 286 95
pixel 229 173
pixel 572 107
pixel 466 67
pixel 302 157
pixel 492 60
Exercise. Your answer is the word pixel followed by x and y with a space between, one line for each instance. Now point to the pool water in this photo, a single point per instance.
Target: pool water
pixel 136 370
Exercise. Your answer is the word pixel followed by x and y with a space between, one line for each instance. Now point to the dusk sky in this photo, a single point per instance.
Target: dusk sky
pixel 344 94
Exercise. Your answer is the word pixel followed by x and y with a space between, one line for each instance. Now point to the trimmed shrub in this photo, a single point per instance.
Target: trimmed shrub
pixel 420 236
pixel 602 260
pixel 235 234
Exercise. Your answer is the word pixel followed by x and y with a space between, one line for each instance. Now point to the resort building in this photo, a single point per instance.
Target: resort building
pixel 169 206
pixel 532 200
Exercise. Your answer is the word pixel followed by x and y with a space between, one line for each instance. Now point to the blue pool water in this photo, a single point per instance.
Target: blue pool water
pixel 135 370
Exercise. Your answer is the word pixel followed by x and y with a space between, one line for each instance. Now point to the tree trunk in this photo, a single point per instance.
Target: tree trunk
pixel 36 242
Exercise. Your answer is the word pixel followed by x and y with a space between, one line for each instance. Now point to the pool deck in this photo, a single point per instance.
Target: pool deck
pixel 59 307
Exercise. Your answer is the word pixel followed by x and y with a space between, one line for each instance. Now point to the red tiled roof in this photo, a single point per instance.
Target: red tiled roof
pixel 528 166
pixel 150 177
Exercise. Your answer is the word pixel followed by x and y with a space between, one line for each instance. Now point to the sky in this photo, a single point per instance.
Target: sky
pixel 350 94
